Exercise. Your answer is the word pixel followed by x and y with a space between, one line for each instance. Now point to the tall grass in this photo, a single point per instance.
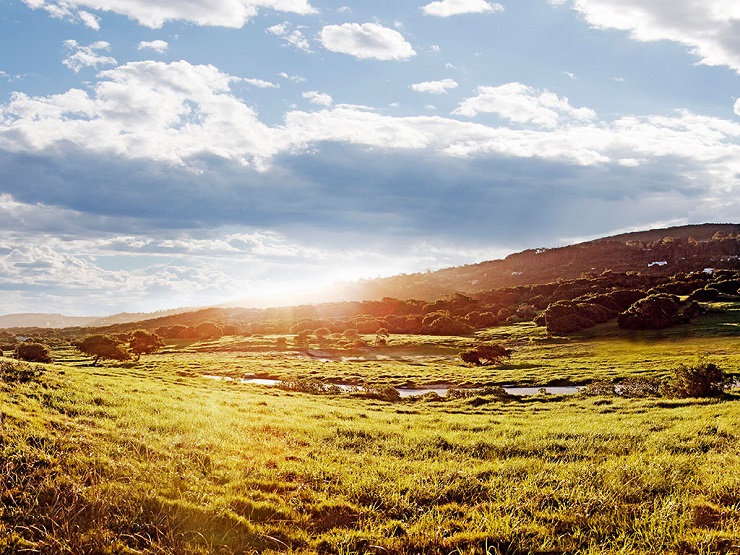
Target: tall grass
pixel 156 459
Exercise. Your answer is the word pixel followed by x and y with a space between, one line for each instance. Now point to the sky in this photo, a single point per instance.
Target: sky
pixel 167 154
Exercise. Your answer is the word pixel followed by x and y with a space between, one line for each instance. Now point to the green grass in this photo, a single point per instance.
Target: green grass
pixel 154 458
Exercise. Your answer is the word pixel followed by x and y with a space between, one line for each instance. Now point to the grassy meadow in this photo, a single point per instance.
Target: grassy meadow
pixel 157 458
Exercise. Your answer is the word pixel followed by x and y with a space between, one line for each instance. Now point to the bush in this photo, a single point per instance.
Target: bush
pixel 208 330
pixel 382 393
pixel 705 295
pixel 653 313
pixel 310 386
pixel 446 325
pixel 33 352
pixel 18 372
pixel 564 317
pixel 700 379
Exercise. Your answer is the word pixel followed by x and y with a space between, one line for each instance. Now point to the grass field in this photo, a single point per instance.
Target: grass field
pixel 155 458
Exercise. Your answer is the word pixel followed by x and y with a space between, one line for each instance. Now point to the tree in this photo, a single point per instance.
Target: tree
pixel 208 330
pixel 103 347
pixel 33 352
pixel 144 342
pixel 485 355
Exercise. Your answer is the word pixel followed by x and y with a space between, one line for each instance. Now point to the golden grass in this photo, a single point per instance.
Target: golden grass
pixel 153 458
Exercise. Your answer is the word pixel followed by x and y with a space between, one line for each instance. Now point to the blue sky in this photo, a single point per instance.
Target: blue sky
pixel 168 154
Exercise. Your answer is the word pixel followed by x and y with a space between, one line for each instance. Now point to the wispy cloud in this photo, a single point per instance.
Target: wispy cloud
pixel 291 35
pixel 87 56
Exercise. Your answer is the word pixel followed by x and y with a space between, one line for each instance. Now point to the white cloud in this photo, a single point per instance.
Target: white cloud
pixel 292 36
pixel 226 13
pixel 522 104
pixel 294 78
pixel 435 87
pixel 89 20
pixel 737 106
pixel 167 112
pixel 63 10
pixel 365 41
pixel 178 113
pixel 316 97
pixel 261 84
pixel 86 56
pixel 279 29
pixel 159 46
pixel 446 8
pixel 710 29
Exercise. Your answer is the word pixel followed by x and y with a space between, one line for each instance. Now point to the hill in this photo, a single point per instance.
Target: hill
pixel 654 252
pixel 41 320
pixel 57 321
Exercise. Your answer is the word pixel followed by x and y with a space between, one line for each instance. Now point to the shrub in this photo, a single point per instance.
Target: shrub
pixel 729 286
pixel 446 325
pixel 526 312
pixel 568 316
pixel 618 299
pixel 700 379
pixel 350 333
pixel 652 313
pixel 18 372
pixel 310 386
pixel 705 295
pixel 33 352
pixel 208 330
pixel 382 393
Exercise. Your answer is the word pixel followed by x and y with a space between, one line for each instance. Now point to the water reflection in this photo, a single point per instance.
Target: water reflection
pixel 417 391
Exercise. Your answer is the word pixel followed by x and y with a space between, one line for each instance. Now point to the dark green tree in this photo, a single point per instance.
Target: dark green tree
pixel 33 352
pixel 485 355
pixel 144 342
pixel 103 347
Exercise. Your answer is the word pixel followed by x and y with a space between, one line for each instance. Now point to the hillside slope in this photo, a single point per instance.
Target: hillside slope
pixel 658 252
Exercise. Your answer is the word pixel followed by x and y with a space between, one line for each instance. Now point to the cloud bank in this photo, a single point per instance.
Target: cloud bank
pixel 224 13
pixel 709 29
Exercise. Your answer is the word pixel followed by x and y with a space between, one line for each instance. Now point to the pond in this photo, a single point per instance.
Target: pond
pixel 417 391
